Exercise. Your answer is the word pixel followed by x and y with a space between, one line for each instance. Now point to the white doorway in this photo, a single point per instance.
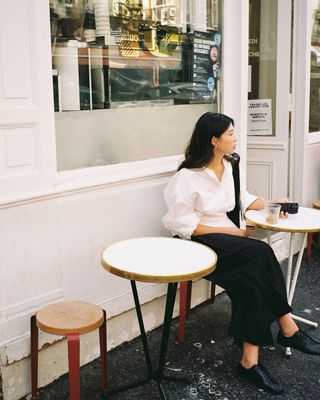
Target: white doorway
pixel 268 143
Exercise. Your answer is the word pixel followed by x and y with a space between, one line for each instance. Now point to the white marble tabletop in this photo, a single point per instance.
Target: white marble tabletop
pixel 306 220
pixel 159 259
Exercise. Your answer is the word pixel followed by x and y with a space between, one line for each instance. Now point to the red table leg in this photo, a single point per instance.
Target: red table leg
pixel 184 308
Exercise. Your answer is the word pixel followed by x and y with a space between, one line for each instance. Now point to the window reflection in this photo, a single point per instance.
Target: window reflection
pixel 314 115
pixel 112 59
pixel 108 53
pixel 262 57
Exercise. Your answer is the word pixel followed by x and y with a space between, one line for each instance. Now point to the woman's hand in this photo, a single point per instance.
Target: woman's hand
pixel 279 201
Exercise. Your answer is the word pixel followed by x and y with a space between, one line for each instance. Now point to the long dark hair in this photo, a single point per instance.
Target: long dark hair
pixel 199 151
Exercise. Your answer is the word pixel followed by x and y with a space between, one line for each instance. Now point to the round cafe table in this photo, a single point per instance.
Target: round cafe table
pixel 157 260
pixel 305 221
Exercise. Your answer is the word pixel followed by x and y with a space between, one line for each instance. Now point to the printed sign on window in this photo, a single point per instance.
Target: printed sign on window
pixel 206 62
pixel 259 117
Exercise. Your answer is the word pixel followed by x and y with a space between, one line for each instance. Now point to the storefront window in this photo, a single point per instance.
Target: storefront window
pixel 114 58
pixel 262 67
pixel 314 113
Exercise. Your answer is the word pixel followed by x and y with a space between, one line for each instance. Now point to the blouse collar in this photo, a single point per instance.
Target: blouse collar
pixel 227 168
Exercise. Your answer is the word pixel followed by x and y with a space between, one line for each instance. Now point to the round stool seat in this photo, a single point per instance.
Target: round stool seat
pixel 69 316
pixel 316 204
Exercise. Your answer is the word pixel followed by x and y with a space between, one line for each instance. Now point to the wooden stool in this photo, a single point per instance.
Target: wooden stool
pixel 71 319
pixel 316 205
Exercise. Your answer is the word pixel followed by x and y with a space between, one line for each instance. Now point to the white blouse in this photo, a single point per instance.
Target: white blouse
pixel 196 196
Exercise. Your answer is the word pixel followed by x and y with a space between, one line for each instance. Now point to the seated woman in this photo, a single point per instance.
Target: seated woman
pixel 198 198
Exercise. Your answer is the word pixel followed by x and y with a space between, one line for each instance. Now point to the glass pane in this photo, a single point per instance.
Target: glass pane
pixel 130 54
pixel 262 67
pixel 314 111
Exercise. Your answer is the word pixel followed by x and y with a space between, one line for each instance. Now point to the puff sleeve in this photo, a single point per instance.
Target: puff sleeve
pixel 180 197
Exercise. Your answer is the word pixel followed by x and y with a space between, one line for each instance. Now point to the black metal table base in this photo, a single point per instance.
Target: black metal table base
pixel 157 375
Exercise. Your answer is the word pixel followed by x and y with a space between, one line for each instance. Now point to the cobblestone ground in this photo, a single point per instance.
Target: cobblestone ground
pixel 209 357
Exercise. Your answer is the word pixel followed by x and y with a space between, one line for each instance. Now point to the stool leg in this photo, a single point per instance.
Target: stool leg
pixel 309 246
pixel 34 357
pixel 103 351
pixel 74 365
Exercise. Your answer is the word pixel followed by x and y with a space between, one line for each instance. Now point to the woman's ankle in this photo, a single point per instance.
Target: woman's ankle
pixel 247 364
pixel 287 325
pixel 250 355
pixel 289 332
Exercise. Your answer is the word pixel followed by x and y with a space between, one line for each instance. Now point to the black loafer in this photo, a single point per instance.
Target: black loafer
pixel 300 341
pixel 259 376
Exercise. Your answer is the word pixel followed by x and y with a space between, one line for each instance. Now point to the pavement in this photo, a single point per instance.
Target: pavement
pixel 209 357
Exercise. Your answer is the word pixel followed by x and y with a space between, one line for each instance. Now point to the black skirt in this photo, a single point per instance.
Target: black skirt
pixel 250 273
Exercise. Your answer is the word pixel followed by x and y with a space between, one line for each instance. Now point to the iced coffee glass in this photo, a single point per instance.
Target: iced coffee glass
pixel 272 213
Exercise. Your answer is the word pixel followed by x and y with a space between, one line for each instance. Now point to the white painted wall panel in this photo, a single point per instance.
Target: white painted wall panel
pixel 27 136
pixel 20 144
pixel 30 257
pixel 260 177
pixel 20 147
pixel 15 56
pixel 266 169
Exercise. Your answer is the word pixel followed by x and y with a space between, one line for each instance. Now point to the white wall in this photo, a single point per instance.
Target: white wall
pixel 53 227
pixel 268 156
pixel 305 154
pixel 235 68
pixel 51 250
pixel 311 185
pixel 27 141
